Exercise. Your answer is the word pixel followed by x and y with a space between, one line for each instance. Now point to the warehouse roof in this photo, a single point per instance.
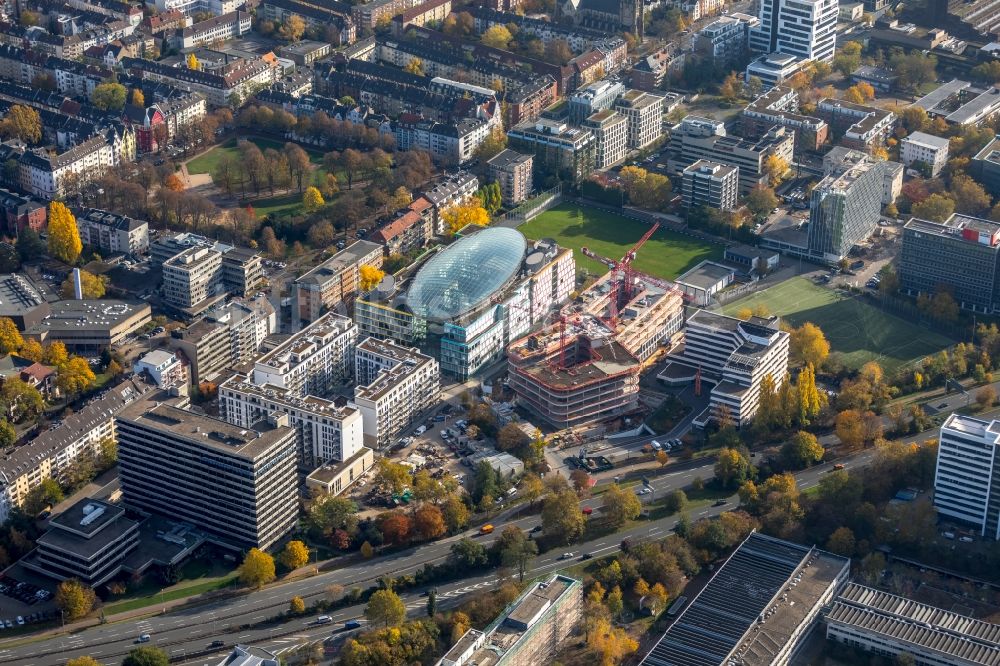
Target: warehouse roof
pixel 907 621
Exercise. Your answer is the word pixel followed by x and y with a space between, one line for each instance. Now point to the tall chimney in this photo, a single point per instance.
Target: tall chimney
pixel 77 285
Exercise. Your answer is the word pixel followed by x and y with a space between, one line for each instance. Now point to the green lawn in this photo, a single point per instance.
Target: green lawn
pixel 666 255
pixel 857 332
pixel 179 591
pixel 277 204
pixel 206 162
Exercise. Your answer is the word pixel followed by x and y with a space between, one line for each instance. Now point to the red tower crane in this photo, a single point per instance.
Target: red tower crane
pixel 622 278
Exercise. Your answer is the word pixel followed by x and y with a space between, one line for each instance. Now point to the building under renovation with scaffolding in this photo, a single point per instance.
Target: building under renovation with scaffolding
pixel 585 368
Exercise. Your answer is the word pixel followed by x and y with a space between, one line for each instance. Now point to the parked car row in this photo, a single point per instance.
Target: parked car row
pixel 669 445
pixel 23 592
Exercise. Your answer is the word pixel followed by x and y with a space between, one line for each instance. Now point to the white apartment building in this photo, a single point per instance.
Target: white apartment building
pixel 219 28
pixel 610 129
pixel 113 232
pixel 396 385
pixel 966 486
pixel 802 28
pixel 312 361
pixel 163 367
pixel 49 177
pixel 734 355
pixel 324 432
pixel 189 7
pixel 192 277
pixel 644 113
pixel 927 148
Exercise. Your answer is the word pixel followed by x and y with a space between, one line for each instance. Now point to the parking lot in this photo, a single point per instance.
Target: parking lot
pixel 432 445
pixel 25 595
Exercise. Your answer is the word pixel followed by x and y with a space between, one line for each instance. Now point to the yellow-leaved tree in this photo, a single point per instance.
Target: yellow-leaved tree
pixel 461 215
pixel 192 61
pixel 370 276
pixel 64 237
pixel 312 200
pixel 75 376
pixel 257 568
pixel 74 599
pixel 10 337
pixel 93 286
pixel 775 167
pixel 295 555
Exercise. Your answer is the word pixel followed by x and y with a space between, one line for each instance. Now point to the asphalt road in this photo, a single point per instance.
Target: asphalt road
pixel 190 630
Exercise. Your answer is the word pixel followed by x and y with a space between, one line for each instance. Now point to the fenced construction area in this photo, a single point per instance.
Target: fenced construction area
pixel 666 255
pixel 857 331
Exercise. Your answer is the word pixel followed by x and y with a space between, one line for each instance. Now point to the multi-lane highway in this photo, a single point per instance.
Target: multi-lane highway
pixel 187 631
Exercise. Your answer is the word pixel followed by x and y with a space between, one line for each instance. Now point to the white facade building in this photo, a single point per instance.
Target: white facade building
pixel 396 385
pixel 644 113
pixel 610 128
pixel 324 432
pixel 312 361
pixel 802 28
pixel 927 148
pixel 965 483
pixel 163 367
pixel 113 232
pixel 734 355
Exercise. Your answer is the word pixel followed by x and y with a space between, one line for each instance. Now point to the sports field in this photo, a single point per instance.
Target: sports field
pixel 666 255
pixel 857 332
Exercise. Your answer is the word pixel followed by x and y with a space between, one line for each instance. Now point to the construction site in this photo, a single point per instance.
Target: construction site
pixel 585 367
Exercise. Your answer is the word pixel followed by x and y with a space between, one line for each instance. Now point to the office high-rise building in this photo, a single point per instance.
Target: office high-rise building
pixel 710 184
pixel 238 485
pixel 845 207
pixel 805 29
pixel 961 253
pixel 967 480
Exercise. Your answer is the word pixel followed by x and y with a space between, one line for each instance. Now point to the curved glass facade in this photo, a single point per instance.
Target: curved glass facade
pixel 467 273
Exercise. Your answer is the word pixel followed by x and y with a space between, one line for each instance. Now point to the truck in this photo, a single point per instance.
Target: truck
pixel 486 529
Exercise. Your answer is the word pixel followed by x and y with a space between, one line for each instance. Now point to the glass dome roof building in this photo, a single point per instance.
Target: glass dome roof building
pixel 467 273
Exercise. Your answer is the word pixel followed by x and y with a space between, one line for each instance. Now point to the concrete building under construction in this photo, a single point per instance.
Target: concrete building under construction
pixel 586 367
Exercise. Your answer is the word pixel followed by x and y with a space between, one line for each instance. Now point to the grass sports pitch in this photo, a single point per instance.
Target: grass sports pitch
pixel 666 255
pixel 857 332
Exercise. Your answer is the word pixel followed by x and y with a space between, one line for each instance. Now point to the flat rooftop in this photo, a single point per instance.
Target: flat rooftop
pixel 331 471
pixel 92 315
pixel 905 621
pixel 853 166
pixel 407 360
pixel 96 513
pixel 954 225
pixel 705 275
pixel 927 139
pixel 335 265
pixel 18 295
pixel 723 618
pixel 509 628
pixel 242 383
pixel 216 434
pixel 295 349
